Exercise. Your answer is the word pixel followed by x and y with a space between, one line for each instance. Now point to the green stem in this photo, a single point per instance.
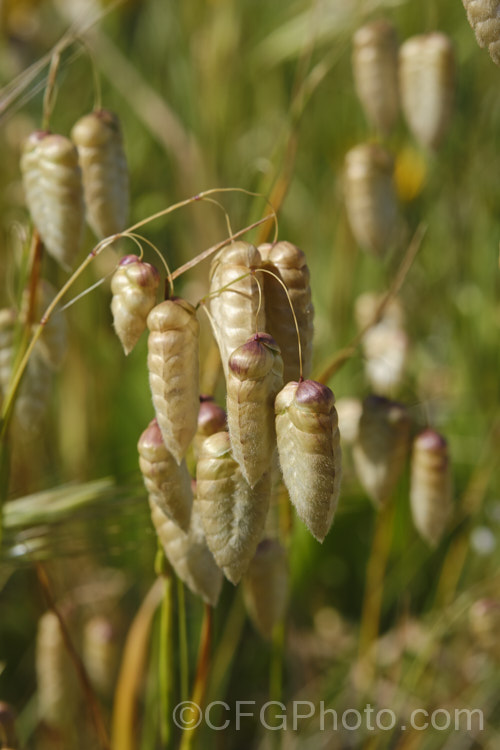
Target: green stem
pixel 166 651
pixel 183 641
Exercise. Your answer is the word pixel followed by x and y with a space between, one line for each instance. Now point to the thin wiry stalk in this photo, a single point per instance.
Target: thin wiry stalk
pixel 166 654
pixel 183 641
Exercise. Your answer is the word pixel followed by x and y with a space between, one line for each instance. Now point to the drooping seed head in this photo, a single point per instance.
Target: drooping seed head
pixel 265 586
pixel 134 286
pixel 431 486
pixel 212 418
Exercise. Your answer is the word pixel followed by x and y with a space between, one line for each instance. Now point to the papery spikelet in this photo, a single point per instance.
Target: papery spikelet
pixel 134 285
pixel 8 318
pixel 484 618
pixel 375 67
pixel 288 262
pixel 233 513
pixel 101 653
pixel 255 376
pixel 54 193
pixel 381 447
pixel 188 554
pixel 33 396
pixel 55 676
pixel 212 418
pixel 52 344
pixel 265 586
pixel 99 142
pixel 427 84
pixel 234 306
pixel 430 488
pixel 370 197
pixel 173 372
pixel 484 17
pixel 168 484
pixel 309 452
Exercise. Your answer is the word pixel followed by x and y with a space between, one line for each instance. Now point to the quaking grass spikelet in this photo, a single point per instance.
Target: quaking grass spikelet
pixel 255 377
pixel 234 304
pixel 289 264
pixel 134 286
pixel 168 483
pixel 309 452
pixel 54 193
pixel 233 513
pixel 98 138
pixel 8 319
pixel 212 418
pixel 431 486
pixel 265 586
pixel 173 372
pixel 52 344
pixel 484 17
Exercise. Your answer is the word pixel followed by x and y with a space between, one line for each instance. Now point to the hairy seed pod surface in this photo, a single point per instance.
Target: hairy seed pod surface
pixel 54 673
pixel 98 139
pixel 309 452
pixel 265 586
pixel 234 304
pixel 134 285
pixel 101 653
pixel 54 193
pixel 288 263
pixel 370 197
pixel 484 17
pixel 212 418
pixel 375 68
pixel 233 513
pixel 430 487
pixel 168 484
pixel 427 84
pixel 189 555
pixel 254 379
pixel 381 447
pixel 173 372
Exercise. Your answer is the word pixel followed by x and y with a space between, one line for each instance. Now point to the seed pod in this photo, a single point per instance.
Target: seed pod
pixel 349 413
pixel 101 653
pixel 52 344
pixel 189 555
pixel 173 372
pixel 8 319
pixel 484 617
pixel 54 673
pixel 309 452
pixel 98 138
pixel 54 193
pixel 233 513
pixel 265 586
pixel 370 197
pixel 254 379
pixel 134 286
pixel 427 84
pixel 484 17
pixel 168 484
pixel 381 447
pixel 289 264
pixel 375 68
pixel 212 418
pixel 33 396
pixel 234 306
pixel 430 488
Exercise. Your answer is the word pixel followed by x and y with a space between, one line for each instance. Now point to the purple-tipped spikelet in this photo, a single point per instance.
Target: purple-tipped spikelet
pixel 212 418
pixel 134 286
pixel 431 487
pixel 309 452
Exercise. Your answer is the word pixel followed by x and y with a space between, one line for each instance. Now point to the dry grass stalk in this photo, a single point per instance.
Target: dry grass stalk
pixel 254 379
pixel 484 17
pixel 233 513
pixel 289 264
pixel 375 68
pixel 98 138
pixel 431 485
pixel 265 586
pixel 134 286
pixel 173 372
pixel 168 483
pixel 309 452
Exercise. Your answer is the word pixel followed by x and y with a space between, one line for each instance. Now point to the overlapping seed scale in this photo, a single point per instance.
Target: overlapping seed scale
pixel 54 193
pixel 427 85
pixel 375 68
pixel 189 554
pixel 254 379
pixel 100 652
pixel 370 196
pixel 54 673
pixel 212 418
pixel 8 318
pixel 98 138
pixel 431 485
pixel 233 513
pixel 289 264
pixel 168 483
pixel 309 451
pixel 53 342
pixel 265 586
pixel 235 307
pixel 174 372
pixel 484 17
pixel 134 286
pixel 381 447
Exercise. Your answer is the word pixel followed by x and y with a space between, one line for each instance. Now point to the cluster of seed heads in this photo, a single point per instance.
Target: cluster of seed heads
pixel 484 17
